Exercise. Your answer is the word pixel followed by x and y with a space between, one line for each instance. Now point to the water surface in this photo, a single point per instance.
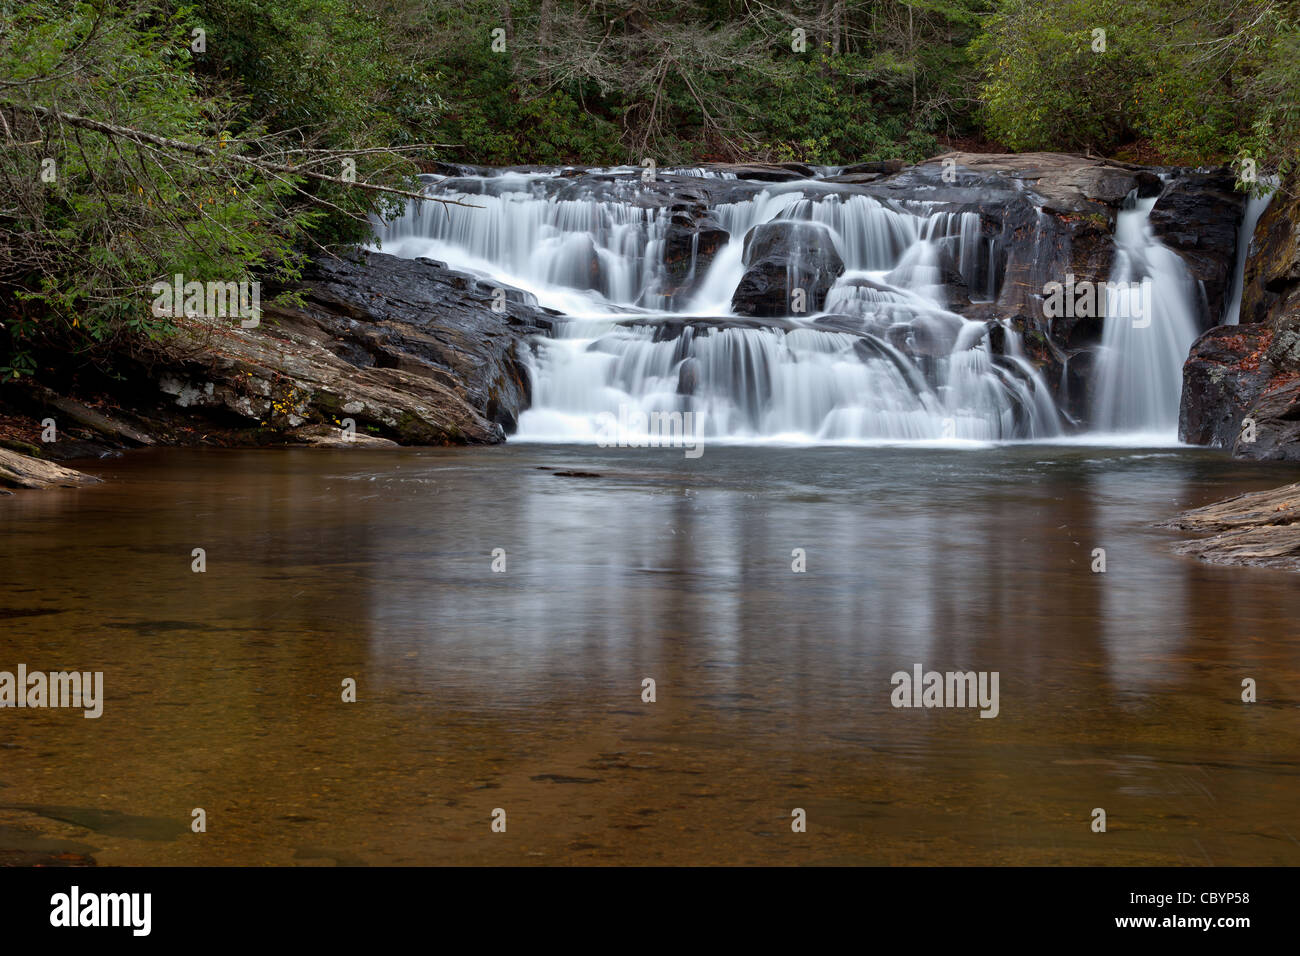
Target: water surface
pixel 522 690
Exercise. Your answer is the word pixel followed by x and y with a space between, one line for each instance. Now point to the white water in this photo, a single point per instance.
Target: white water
pixel 1255 207
pixel 896 364
pixel 1140 371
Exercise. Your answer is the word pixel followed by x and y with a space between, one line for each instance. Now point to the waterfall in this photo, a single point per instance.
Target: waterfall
pixel 800 384
pixel 582 256
pixel 886 359
pixel 1140 369
pixel 1255 207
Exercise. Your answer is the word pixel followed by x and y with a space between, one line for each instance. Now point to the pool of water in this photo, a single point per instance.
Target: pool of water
pixel 521 689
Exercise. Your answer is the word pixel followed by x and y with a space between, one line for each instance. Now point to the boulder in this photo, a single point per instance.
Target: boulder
pixel 880 167
pixel 781 257
pixel 407 349
pixel 692 240
pixel 1221 379
pixel 1199 216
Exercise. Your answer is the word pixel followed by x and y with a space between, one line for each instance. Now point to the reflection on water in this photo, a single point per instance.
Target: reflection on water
pixel 522 690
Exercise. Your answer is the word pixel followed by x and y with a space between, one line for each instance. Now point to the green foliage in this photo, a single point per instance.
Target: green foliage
pixel 248 175
pixel 1196 84
pixel 821 110
pixel 324 72
pixel 94 220
pixel 495 120
pixel 280 86
pixel 688 82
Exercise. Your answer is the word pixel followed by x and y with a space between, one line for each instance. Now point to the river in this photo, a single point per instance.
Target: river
pixel 521 689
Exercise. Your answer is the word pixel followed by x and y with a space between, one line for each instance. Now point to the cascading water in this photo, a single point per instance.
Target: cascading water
pixel 1255 207
pixel 886 359
pixel 1139 374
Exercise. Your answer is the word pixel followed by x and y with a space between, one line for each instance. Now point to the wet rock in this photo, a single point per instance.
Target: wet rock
pixel 1241 383
pixel 332 437
pixel 881 167
pixel 1276 415
pixel 1060 183
pixel 782 257
pixel 693 239
pixel 1198 216
pixel 1242 393
pixel 767 172
pixel 408 349
pixel 1221 379
pixel 854 179
pixel 1271 287
pixel 579 264
pixel 688 377
pixel 669 328
pixel 1043 217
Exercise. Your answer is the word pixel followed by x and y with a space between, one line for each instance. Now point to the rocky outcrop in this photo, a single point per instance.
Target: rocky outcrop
pixel 1043 217
pixel 790 266
pixel 1221 379
pixel 1241 383
pixel 374 350
pixel 405 348
pixel 1047 216
pixel 1271 281
pixel 1198 216
pixel 1261 529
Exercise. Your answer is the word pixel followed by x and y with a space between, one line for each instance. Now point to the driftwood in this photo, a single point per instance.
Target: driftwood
pixel 1261 529
pixel 23 471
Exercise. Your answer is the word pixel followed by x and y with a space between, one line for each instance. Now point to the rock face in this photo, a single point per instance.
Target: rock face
pixel 693 239
pixel 784 261
pixel 1043 216
pixel 1261 529
pixel 407 350
pixel 404 348
pixel 1271 283
pixel 1221 379
pixel 1198 216
pixel 1241 383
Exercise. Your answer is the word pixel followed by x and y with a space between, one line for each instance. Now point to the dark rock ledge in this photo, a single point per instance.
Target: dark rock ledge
pixel 410 351
pixel 406 348
pixel 1241 383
